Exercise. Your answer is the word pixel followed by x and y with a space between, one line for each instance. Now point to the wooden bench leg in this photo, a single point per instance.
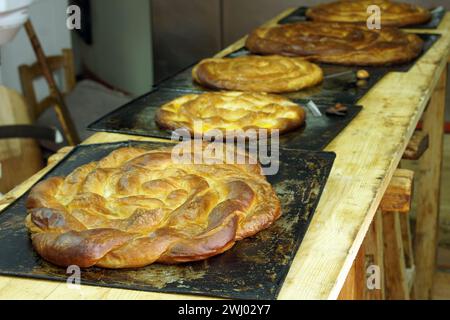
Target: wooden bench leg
pixel 387 246
pixel 374 250
pixel 370 254
pixel 394 262
pixel 398 263
pixel 428 200
pixel 354 286
pixel 408 253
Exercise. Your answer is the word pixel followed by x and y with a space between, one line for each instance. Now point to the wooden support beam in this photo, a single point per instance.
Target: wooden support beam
pixel 374 251
pixel 416 146
pixel 396 281
pixel 408 253
pixel 428 198
pixel 397 197
pixel 398 260
pixel 355 284
pixel 407 241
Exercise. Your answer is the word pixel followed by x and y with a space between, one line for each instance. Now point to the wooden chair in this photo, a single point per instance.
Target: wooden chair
pixel 29 73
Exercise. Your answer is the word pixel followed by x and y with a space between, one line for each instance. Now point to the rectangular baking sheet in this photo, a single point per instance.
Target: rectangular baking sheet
pixel 254 268
pixel 340 84
pixel 437 14
pixel 138 118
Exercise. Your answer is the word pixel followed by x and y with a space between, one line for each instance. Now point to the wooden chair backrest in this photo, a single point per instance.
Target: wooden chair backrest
pixel 29 73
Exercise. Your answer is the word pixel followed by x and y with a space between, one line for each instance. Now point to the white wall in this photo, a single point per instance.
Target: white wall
pixel 121 53
pixel 49 20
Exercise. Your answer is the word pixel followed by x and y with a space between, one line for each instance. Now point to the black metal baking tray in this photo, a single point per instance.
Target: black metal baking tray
pixel 437 14
pixel 333 71
pixel 138 118
pixel 254 268
pixel 340 83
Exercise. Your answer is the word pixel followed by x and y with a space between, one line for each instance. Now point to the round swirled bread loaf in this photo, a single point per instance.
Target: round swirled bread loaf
pixel 393 14
pixel 273 74
pixel 230 111
pixel 346 44
pixel 137 206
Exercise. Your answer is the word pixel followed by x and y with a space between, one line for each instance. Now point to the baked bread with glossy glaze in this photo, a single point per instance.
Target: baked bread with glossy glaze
pixel 346 44
pixel 230 111
pixel 274 74
pixel 393 14
pixel 137 206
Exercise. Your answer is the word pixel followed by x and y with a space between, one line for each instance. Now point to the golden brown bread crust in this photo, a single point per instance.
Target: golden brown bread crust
pixel 137 206
pixel 231 111
pixel 346 44
pixel 393 14
pixel 273 74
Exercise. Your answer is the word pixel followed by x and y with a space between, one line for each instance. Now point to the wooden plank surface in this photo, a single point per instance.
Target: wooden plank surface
pixel 368 152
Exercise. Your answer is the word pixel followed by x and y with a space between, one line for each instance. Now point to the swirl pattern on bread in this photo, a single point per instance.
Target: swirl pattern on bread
pixel 392 14
pixel 345 44
pixel 137 206
pixel 273 74
pixel 231 111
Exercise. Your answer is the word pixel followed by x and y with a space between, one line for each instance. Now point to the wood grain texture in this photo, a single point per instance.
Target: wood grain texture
pixel 19 158
pixel 396 281
pixel 407 241
pixel 441 288
pixel 444 236
pixel 398 195
pixel 368 152
pixel 362 172
pixel 355 285
pixel 398 261
pixel 416 146
pixel 443 260
pixel 374 250
pixel 428 201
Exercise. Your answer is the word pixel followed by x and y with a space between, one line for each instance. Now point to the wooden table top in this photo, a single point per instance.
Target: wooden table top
pixel 368 151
